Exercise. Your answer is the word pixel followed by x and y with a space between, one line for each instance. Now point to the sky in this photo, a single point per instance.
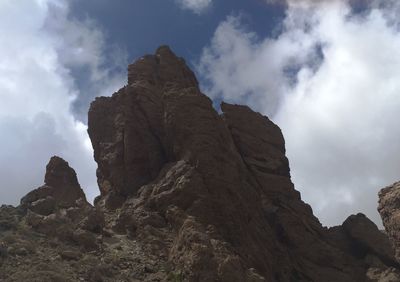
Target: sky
pixel 325 71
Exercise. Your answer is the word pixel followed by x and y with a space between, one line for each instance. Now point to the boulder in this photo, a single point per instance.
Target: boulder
pixel 361 238
pixel 94 221
pixel 43 206
pixel 85 239
pixel 369 238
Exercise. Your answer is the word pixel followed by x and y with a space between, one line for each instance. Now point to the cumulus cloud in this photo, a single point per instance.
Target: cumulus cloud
pixel 37 90
pixel 330 80
pixel 196 6
pixel 242 68
pixel 98 68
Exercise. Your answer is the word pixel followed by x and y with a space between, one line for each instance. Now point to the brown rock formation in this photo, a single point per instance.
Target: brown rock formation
pixel 361 238
pixel 187 194
pixel 61 189
pixel 389 209
pixel 369 239
pixel 59 208
pixel 221 183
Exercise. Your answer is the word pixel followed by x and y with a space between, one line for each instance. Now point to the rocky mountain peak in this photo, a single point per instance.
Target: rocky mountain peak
pixel 167 159
pixel 163 69
pixel 61 188
pixel 186 194
pixel 61 176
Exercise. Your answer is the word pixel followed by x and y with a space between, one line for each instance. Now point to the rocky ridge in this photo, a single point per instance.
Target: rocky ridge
pixel 186 194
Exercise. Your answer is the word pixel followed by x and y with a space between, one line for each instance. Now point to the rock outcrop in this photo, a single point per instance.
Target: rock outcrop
pixel 389 209
pixel 59 208
pixel 61 189
pixel 186 194
pixel 361 238
pixel 167 159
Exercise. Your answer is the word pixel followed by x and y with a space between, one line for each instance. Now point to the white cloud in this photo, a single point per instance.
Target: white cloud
pixel 330 80
pixel 196 6
pixel 242 68
pixel 37 91
pixel 81 46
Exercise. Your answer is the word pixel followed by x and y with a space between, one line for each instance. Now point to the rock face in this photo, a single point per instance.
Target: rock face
pixel 221 183
pixel 186 194
pixel 389 209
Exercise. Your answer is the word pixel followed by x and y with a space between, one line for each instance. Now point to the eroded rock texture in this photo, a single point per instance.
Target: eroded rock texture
pixel 186 194
pixel 217 185
pixel 389 209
